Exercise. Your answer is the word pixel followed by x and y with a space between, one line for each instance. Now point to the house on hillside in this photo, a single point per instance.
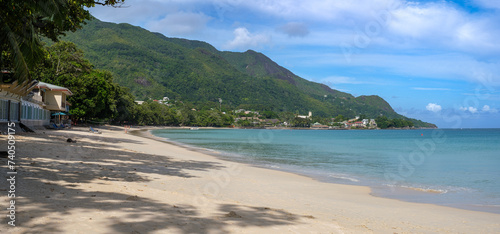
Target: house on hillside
pixel 319 126
pixel 358 124
pixel 270 122
pixel 246 112
pixel 353 120
pixel 305 116
pixel 373 124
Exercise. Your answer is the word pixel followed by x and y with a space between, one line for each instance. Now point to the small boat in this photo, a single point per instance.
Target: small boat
pixel 194 128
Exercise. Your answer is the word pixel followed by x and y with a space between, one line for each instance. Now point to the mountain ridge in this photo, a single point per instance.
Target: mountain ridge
pixel 153 65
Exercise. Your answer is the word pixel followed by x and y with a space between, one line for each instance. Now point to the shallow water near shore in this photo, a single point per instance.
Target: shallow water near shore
pixel 458 168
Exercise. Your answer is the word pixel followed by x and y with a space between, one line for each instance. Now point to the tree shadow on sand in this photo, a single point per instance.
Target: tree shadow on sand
pixel 49 185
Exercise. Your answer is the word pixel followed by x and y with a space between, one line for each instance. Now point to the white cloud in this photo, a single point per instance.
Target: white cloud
pixel 180 24
pixel 470 109
pixel 413 24
pixel 487 108
pixel 294 29
pixel 477 36
pixel 321 10
pixel 243 39
pixel 433 107
pixel 441 25
pixel 484 109
pixel 425 21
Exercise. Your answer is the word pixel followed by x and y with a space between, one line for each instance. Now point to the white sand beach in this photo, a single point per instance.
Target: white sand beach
pixel 122 183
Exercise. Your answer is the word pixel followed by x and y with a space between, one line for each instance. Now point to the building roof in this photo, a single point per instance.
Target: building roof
pixel 51 87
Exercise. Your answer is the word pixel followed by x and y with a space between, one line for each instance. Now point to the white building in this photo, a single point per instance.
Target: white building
pixel 305 116
pixel 11 95
pixel 31 102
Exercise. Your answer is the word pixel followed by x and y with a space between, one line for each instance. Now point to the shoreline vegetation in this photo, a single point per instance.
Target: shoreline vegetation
pixel 117 182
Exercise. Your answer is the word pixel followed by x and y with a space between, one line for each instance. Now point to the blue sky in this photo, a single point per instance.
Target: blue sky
pixel 438 61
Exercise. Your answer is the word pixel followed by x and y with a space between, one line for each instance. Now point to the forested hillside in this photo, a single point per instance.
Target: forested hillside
pixel 154 66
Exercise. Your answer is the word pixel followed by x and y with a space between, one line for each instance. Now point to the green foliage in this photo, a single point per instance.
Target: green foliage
pixel 300 122
pixel 245 123
pixel 384 122
pixel 62 62
pixel 269 115
pixel 95 95
pixel 340 118
pixel 22 23
pixel 211 118
pixel 153 113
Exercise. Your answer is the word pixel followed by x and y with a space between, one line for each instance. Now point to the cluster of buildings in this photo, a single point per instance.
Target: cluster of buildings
pixel 246 112
pixel 357 123
pixel 254 118
pixel 32 103
pixel 164 101
pixel 305 116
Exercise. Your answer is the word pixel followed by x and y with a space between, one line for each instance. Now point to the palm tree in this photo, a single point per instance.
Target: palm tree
pixel 19 42
pixel 22 23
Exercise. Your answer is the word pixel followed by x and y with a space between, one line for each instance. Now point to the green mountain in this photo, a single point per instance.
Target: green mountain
pixel 154 66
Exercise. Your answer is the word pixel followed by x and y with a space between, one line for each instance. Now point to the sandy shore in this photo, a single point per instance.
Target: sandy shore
pixel 121 183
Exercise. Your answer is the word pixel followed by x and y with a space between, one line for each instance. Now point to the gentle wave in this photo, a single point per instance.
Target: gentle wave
pixel 427 190
pixel 433 189
pixel 343 177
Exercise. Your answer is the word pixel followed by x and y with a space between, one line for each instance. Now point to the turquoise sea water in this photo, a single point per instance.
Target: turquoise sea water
pixel 459 168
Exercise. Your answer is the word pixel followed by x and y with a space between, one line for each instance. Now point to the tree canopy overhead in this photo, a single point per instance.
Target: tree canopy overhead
pixel 22 23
